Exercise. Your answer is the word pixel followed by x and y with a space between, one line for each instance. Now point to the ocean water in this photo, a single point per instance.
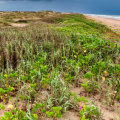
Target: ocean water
pixel 106 8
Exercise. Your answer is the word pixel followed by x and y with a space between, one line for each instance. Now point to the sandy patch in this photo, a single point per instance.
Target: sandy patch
pixel 107 114
pixel 27 19
pixel 70 116
pixel 22 105
pixel 18 24
pixel 11 102
pixel 112 23
pixel 65 13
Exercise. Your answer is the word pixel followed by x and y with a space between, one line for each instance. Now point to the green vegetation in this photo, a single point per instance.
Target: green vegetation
pixel 42 62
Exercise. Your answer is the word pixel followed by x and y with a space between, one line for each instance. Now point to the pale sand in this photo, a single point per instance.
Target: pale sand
pixel 112 23
pixel 18 24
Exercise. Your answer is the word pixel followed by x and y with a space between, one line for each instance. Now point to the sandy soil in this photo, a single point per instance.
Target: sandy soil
pixel 107 114
pixel 18 24
pixel 11 102
pixel 112 23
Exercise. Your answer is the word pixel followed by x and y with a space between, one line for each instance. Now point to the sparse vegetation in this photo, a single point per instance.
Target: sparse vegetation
pixel 42 62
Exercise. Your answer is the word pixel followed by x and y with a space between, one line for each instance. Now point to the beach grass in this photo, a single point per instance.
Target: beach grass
pixel 41 65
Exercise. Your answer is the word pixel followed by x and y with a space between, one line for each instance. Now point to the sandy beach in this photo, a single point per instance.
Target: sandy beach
pixel 112 23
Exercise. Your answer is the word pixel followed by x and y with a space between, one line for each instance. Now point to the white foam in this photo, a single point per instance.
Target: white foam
pixel 117 17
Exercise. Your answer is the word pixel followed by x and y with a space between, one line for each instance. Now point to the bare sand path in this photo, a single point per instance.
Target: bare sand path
pixel 18 24
pixel 112 23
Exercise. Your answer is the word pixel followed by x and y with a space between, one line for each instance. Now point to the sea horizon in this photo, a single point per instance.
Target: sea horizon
pixel 73 6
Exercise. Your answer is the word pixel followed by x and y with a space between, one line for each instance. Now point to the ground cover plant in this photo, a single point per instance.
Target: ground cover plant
pixel 41 63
